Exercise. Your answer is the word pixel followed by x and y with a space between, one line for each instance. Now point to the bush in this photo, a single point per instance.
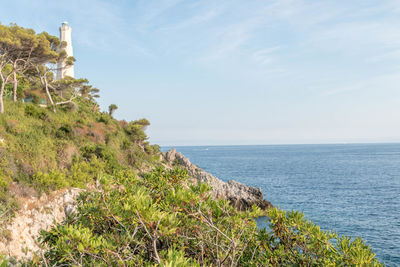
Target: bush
pixel 36 112
pixel 65 132
pixel 7 170
pixel 83 172
pixel 105 118
pixel 71 107
pixel 136 157
pixel 161 219
pixel 151 149
pixel 135 130
pixel 12 126
pixel 80 174
pixel 50 181
pixel 294 240
pixel 101 151
pixel 4 184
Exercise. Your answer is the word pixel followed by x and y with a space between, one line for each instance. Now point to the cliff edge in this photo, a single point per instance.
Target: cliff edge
pixel 241 196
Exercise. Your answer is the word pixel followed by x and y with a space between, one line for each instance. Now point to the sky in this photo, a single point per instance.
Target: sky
pixel 237 72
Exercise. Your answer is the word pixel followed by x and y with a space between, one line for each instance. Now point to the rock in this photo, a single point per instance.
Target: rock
pixel 170 155
pixel 241 196
pixel 37 214
pixel 69 209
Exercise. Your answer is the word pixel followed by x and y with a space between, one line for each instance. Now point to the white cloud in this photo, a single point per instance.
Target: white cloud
pixel 195 14
pixel 150 11
pixel 381 83
pixel 265 56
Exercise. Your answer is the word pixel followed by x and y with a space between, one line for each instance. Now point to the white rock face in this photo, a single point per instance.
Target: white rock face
pixel 65 36
pixel 240 195
pixel 37 214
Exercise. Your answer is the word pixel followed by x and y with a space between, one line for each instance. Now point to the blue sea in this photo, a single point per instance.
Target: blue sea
pixel 353 189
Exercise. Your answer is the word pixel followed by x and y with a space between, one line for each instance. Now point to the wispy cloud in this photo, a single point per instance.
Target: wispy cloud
pixel 197 18
pixel 380 83
pixel 150 12
pixel 228 40
pixel 265 56
pixel 393 55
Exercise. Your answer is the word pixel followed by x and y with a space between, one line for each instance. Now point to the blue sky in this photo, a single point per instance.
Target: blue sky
pixel 237 72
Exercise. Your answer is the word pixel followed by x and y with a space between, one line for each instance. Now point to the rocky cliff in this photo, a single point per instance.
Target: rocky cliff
pixel 240 195
pixel 19 237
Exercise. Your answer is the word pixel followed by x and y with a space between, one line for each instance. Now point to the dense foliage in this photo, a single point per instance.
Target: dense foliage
pixel 162 218
pixel 49 151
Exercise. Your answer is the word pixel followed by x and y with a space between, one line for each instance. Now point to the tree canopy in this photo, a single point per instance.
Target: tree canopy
pixel 33 57
pixel 112 108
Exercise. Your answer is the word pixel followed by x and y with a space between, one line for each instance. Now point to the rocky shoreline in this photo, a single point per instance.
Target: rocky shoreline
pixel 241 196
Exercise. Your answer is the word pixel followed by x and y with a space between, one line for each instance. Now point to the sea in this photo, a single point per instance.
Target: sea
pixel 353 189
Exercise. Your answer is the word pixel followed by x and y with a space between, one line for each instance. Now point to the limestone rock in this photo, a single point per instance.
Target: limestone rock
pixel 170 155
pixel 35 215
pixel 240 195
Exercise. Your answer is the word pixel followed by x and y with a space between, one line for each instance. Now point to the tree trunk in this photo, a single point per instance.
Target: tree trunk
pixel 3 85
pixel 50 98
pixel 15 87
pixel 45 84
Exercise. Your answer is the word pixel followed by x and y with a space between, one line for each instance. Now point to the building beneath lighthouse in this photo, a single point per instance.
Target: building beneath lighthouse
pixel 65 36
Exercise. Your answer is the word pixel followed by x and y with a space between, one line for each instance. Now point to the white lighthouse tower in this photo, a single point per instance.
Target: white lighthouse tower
pixel 65 36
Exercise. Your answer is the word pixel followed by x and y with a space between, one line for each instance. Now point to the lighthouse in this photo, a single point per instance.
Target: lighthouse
pixel 65 36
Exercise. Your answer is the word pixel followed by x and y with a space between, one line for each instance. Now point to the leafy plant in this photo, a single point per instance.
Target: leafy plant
pixel 36 112
pixel 161 218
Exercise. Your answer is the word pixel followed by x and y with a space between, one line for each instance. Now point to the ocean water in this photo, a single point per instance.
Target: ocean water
pixel 353 189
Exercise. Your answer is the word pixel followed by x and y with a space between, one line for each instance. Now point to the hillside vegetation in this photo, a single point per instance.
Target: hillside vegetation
pixel 50 151
pixel 135 211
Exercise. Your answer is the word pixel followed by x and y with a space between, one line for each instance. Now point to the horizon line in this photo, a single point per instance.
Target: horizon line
pixel 291 144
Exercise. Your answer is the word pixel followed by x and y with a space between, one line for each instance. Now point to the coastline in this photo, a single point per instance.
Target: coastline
pixel 241 196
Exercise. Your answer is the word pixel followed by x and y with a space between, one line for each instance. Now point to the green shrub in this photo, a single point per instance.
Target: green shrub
pixel 177 258
pixel 151 149
pixel 83 172
pixel 136 157
pixel 160 219
pixel 105 118
pixel 4 184
pixel 101 151
pixel 135 130
pixel 71 107
pixel 4 262
pixel 295 241
pixel 12 126
pixel 65 132
pixel 50 181
pixel 79 175
pixel 36 112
